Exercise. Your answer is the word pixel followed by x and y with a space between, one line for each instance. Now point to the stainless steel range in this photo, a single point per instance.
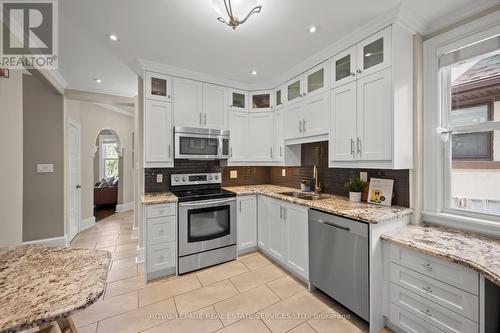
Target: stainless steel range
pixel 206 221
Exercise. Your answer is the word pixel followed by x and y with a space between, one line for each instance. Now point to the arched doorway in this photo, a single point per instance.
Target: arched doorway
pixel 108 171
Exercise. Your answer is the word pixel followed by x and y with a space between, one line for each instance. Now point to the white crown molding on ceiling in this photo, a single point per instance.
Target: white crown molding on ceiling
pixel 97 97
pixel 56 79
pixel 97 90
pixel 116 109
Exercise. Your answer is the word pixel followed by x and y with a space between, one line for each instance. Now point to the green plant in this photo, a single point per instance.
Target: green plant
pixel 354 184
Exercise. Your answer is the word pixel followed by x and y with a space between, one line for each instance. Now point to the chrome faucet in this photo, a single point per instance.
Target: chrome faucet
pixel 317 185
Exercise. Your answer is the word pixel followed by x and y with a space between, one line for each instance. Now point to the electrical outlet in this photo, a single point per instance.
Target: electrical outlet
pixel 283 172
pixel 233 174
pixel 363 176
pixel 159 178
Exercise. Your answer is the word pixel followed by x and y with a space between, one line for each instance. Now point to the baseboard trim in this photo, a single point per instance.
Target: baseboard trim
pixel 54 241
pixel 135 233
pixel 120 208
pixel 87 223
pixel 140 255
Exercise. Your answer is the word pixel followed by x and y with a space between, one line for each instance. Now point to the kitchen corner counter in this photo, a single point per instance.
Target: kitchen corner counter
pixel 158 198
pixel 333 204
pixel 42 284
pixel 477 252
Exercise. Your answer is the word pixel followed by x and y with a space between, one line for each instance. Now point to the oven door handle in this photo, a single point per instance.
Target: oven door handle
pixel 205 203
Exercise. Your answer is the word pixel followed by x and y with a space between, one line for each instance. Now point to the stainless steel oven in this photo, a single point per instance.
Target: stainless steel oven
pixel 201 143
pixel 206 221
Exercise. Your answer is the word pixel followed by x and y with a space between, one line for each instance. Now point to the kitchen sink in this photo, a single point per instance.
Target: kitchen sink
pixel 304 196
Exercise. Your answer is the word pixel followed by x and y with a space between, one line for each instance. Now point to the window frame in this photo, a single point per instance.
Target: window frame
pixel 105 139
pixel 436 155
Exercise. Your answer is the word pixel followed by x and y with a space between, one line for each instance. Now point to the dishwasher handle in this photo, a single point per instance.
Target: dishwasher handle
pixel 334 225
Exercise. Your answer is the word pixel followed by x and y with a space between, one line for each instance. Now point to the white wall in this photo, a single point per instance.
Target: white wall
pixel 11 150
pixel 93 119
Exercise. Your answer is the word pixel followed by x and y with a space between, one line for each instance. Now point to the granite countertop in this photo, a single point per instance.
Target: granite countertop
pixel 158 198
pixel 334 204
pixel 475 251
pixel 40 284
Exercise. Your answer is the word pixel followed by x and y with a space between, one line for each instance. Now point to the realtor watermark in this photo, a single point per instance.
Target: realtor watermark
pixel 29 36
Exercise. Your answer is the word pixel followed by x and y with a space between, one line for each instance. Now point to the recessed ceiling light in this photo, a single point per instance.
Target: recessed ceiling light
pixel 98 81
pixel 311 29
pixel 113 37
pixel 254 72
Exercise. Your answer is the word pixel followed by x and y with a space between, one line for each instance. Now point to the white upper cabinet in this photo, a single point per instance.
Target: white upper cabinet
pixel 238 100
pixel 279 135
pixel 342 143
pixel 158 87
pixel 374 53
pixel 188 103
pixel 238 136
pixel 343 67
pixel 261 147
pixel 294 89
pixel 214 106
pixel 317 80
pixel 279 97
pixel 316 115
pixel 261 100
pixel 293 120
pixel 158 150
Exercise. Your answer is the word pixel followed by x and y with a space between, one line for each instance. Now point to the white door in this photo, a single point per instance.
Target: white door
pixel 316 115
pixel 262 221
pixel 317 80
pixel 214 106
pixel 343 123
pixel 293 120
pixel 275 224
pixel 296 239
pixel 374 142
pixel 188 108
pixel 279 136
pixel 158 134
pixel 247 222
pixel 344 67
pixel 74 179
pixel 374 53
pixel 238 136
pixel 261 136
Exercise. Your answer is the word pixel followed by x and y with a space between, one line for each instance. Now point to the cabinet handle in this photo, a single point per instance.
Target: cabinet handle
pixel 281 151
pixel 271 152
pixel 205 116
pixel 300 126
pixel 169 150
pixel 201 123
pixel 284 213
pixel 240 206
pixel 358 143
pixel 352 146
pixel 426 312
pixel 359 71
pixel 304 125
pixel 428 289
pixel 353 74
pixel 168 96
pixel 427 266
pixel 231 152
pixel 281 212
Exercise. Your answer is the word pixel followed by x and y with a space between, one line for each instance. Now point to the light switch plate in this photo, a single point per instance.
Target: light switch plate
pixel 363 176
pixel 283 172
pixel 159 178
pixel 233 174
pixel 45 168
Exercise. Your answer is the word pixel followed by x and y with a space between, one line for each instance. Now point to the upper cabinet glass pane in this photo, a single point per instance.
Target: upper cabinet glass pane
pixel 343 68
pixel 316 80
pixel 278 97
pixel 158 87
pixel 294 90
pixel 238 100
pixel 261 101
pixel 373 53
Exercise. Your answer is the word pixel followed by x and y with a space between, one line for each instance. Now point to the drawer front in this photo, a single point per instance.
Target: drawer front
pixel 408 322
pixel 160 256
pixel 161 210
pixel 430 312
pixel 161 230
pixel 441 293
pixel 444 271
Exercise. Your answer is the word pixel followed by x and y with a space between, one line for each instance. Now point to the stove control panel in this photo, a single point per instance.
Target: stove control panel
pixel 195 179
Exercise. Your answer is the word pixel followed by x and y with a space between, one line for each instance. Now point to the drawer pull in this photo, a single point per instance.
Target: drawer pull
pixel 427 267
pixel 426 312
pixel 162 257
pixel 161 231
pixel 428 289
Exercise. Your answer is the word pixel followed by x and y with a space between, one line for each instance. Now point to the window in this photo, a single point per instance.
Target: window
pixel 108 166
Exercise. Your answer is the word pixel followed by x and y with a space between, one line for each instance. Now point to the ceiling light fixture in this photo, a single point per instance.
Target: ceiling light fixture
pixel 113 37
pixel 98 81
pixel 230 10
pixel 311 29
pixel 254 72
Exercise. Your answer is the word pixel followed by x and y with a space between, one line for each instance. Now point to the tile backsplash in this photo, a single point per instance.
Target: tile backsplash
pixel 331 179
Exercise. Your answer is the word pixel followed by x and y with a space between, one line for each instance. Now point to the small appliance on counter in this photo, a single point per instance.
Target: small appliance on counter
pixel 206 221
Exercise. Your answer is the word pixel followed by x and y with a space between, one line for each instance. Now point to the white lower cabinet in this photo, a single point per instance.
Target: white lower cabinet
pixel 283 234
pixel 246 218
pixel 160 240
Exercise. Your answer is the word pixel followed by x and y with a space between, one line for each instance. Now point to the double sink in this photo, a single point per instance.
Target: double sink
pixel 304 196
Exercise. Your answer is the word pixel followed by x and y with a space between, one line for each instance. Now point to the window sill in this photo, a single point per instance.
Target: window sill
pixel 482 226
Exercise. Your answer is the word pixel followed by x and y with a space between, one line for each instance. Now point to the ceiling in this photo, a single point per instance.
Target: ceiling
pixel 185 34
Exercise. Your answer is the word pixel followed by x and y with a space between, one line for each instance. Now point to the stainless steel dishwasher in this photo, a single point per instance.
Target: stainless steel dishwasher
pixel 338 260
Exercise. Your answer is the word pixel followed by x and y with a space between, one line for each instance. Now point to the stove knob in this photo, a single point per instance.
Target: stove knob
pixel 176 178
pixel 216 177
pixel 184 178
pixel 209 177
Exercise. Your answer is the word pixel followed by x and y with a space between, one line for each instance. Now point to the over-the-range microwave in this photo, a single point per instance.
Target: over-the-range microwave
pixel 201 143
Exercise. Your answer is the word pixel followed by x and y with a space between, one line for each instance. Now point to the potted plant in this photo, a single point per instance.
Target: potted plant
pixel 355 186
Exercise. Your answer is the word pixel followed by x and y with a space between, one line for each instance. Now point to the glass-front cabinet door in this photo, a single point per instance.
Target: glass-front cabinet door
pixel 374 53
pixel 238 100
pixel 261 100
pixel 317 79
pixel 344 67
pixel 279 97
pixel 294 90
pixel 158 87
